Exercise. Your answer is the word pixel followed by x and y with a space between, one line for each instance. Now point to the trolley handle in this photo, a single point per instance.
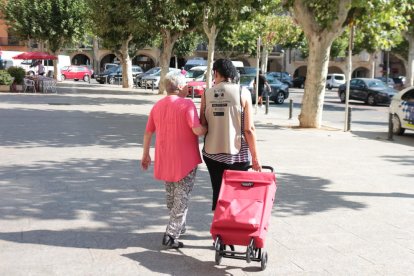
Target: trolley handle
pixel 270 168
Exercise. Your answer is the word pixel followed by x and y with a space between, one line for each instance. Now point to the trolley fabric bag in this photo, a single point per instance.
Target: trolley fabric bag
pixel 243 211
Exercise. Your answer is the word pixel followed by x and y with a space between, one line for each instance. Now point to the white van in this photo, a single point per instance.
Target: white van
pixel 8 61
pixel 31 68
pixel 335 80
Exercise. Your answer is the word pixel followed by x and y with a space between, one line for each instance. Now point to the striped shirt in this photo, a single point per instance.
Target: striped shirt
pixel 243 155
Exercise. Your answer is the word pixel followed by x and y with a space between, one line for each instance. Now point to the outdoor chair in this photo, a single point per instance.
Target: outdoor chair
pixel 29 84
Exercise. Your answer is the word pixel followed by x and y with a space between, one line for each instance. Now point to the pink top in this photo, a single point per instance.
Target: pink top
pixel 176 146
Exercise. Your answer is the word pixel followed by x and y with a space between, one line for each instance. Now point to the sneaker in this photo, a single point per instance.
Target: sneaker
pixel 169 241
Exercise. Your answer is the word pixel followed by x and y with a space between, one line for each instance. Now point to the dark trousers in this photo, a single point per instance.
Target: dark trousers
pixel 216 170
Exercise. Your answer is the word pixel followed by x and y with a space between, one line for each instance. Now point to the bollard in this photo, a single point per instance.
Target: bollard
pixel 152 86
pixel 192 92
pixel 348 125
pixel 267 104
pixel 390 127
pixel 290 109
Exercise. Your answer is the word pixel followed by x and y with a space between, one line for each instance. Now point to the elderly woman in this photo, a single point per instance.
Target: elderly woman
pixel 176 124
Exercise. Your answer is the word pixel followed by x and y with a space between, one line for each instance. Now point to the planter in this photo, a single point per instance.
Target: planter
pixel 16 88
pixel 4 88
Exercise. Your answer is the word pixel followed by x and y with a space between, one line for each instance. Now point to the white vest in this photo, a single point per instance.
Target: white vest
pixel 223 114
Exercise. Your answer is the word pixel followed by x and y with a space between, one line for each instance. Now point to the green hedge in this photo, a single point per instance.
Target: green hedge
pixel 17 73
pixel 5 78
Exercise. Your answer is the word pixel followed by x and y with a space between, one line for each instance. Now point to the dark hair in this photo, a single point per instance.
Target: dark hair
pixel 225 68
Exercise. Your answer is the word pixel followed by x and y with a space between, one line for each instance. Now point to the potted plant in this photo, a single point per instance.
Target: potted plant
pixel 5 81
pixel 18 74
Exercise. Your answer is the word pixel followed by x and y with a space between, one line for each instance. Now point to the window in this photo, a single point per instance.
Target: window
pixel 408 96
pixel 339 77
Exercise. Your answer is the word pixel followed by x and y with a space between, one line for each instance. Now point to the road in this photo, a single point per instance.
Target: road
pixel 364 117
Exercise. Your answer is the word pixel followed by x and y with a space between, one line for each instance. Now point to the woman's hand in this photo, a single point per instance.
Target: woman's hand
pixel 256 166
pixel 145 161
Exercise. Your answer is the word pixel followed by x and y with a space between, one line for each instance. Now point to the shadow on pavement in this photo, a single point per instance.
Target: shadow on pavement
pixel 69 128
pixel 176 263
pixel 406 139
pixel 305 195
pixel 70 99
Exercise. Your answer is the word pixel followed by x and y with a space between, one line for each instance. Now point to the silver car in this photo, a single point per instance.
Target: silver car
pixel 154 79
pixel 402 110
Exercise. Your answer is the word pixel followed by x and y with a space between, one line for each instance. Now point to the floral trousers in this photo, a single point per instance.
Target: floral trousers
pixel 178 195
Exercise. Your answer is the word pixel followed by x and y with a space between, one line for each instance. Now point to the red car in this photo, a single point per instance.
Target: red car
pixel 76 72
pixel 199 86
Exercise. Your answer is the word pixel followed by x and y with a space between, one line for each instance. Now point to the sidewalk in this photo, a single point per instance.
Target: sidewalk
pixel 73 200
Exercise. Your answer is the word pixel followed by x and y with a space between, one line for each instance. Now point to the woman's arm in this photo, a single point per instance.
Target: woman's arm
pixel 202 111
pixel 146 158
pixel 250 133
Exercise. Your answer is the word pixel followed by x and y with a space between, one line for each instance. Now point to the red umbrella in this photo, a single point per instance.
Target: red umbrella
pixel 35 55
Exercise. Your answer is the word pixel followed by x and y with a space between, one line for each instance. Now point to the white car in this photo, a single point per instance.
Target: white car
pixel 402 108
pixel 154 79
pixel 334 80
pixel 195 72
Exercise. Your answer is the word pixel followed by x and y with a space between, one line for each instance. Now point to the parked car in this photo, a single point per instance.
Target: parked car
pixel 198 85
pixel 151 71
pixel 195 72
pixel 281 76
pixel 114 74
pixel 390 82
pixel 247 70
pixel 197 61
pixel 299 82
pixel 280 91
pixel 76 72
pixel 136 71
pixel 402 108
pixel 370 91
pixel 154 79
pixel 334 80
pixel 104 76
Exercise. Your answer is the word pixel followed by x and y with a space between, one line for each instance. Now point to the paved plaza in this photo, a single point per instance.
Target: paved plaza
pixel 74 201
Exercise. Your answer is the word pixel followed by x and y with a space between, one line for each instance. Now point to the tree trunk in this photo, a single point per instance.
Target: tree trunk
pixel 313 97
pixel 56 67
pixel 320 41
pixel 211 33
pixel 168 41
pixel 373 65
pixel 410 74
pixel 96 65
pixel 126 61
pixel 265 58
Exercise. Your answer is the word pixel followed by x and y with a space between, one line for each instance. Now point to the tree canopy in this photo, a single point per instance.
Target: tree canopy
pixel 56 22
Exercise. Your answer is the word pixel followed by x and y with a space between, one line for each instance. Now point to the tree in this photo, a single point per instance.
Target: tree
pixel 220 15
pixel 187 44
pixel 121 26
pixel 55 22
pixel 171 19
pixel 322 21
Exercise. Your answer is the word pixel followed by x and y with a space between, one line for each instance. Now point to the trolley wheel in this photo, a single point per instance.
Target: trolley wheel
pixel 248 255
pixel 250 251
pixel 219 257
pixel 263 260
